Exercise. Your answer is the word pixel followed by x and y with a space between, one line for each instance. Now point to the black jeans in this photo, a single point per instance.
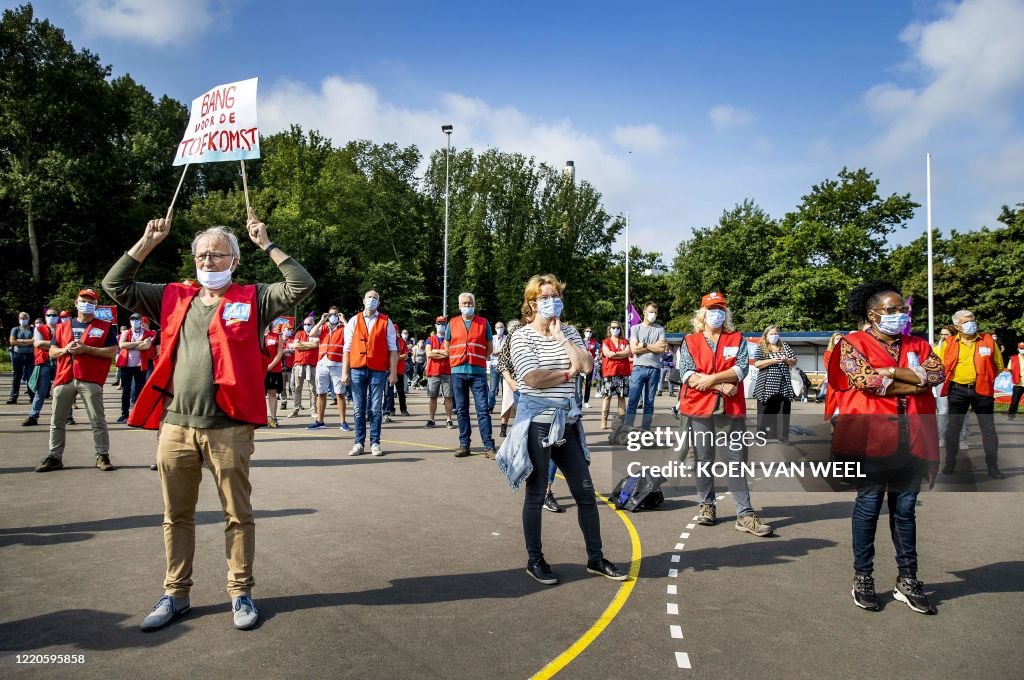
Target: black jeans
pixel 773 417
pixel 576 470
pixel 587 379
pixel 1018 392
pixel 389 396
pixel 133 378
pixel 961 399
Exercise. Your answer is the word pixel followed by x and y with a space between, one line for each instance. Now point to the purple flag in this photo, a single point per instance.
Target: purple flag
pixel 910 315
pixel 634 318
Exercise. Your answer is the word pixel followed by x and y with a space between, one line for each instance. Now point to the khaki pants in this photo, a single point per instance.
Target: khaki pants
pixel 181 454
pixel 63 398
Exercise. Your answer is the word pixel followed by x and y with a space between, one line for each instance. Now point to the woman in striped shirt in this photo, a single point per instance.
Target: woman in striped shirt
pixel 547 357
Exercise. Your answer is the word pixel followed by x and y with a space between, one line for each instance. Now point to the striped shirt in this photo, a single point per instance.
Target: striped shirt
pixel 532 351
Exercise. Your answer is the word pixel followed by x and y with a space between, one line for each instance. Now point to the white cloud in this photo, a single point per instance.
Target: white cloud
pixel 726 116
pixel 345 110
pixel 643 138
pixel 147 21
pixel 970 60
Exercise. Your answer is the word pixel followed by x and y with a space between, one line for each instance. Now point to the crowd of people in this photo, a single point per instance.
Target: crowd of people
pixel 194 383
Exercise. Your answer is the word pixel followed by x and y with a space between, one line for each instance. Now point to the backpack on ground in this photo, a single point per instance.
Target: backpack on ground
pixel 638 493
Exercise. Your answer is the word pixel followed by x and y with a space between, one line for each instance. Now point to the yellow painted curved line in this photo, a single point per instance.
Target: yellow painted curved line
pixel 566 657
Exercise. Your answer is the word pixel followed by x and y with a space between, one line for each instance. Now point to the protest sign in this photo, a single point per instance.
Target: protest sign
pixel 222 126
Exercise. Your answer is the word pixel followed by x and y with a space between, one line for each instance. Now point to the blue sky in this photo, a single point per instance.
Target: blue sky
pixel 674 111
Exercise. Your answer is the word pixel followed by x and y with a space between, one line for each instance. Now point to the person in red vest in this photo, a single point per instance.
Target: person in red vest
pixel 329 333
pixel 399 387
pixel 304 369
pixel 593 346
pixel 44 363
pixel 205 396
pixel 1018 380
pixel 83 348
pixel 132 361
pixel 615 371
pixel 370 362
pixel 972 362
pixel 439 373
pixel 712 365
pixel 273 383
pixel 883 381
pixel 468 341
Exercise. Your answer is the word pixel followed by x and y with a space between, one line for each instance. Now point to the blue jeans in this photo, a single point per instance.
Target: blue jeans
pixel 462 385
pixel 643 379
pixel 495 387
pixel 367 384
pixel 22 364
pixel 902 526
pixel 46 372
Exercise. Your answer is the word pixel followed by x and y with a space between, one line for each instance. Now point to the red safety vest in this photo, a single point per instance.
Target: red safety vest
pixel 42 356
pixel 332 345
pixel 591 346
pixel 122 356
pixel 403 348
pixel 831 401
pixel 615 367
pixel 436 367
pixel 1015 362
pixel 468 347
pixel 984 366
pixel 84 367
pixel 702 404
pixel 236 347
pixel 867 425
pixel 270 342
pixel 304 357
pixel 370 348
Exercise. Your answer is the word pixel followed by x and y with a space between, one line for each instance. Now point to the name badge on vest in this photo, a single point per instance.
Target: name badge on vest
pixel 96 333
pixel 731 352
pixel 984 351
pixel 236 312
pixel 912 359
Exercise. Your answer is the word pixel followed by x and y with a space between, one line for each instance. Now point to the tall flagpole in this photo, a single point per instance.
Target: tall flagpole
pixel 931 281
pixel 626 329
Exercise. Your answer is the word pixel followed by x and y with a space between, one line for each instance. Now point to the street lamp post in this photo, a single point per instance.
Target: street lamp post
pixel 447 129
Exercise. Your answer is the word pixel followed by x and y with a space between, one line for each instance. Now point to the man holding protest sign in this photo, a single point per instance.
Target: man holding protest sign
pixel 205 396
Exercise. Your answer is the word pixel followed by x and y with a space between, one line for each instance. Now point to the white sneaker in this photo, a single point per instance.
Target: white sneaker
pixel 586 404
pixel 375 450
pixel 357 450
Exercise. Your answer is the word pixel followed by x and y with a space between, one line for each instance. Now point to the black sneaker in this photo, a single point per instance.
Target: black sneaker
pixel 864 593
pixel 994 473
pixel 405 413
pixel 123 419
pixel 551 504
pixel 430 423
pixel 606 569
pixel 541 573
pixel 12 400
pixel 70 421
pixel 28 422
pixel 504 430
pixel 50 463
pixel 911 591
pixel 948 468
pixel 103 463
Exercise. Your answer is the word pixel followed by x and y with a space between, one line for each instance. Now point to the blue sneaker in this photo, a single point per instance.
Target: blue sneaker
pixel 165 610
pixel 246 615
pixel 345 427
pixel 316 425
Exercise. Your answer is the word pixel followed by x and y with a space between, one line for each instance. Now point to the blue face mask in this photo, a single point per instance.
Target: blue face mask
pixel 371 303
pixel 970 327
pixel 550 308
pixel 715 318
pixel 86 307
pixel 136 326
pixel 892 324
pixel 468 311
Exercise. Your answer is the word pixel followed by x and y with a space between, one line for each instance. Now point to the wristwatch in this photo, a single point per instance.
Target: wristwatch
pixel 892 372
pixel 270 246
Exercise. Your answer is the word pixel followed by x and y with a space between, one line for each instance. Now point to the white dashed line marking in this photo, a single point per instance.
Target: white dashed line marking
pixel 673 590
pixel 680 546
pixel 677 632
pixel 673 573
pixel 685 534
pixel 673 608
pixel 682 659
pixel 675 558
pixel 691 526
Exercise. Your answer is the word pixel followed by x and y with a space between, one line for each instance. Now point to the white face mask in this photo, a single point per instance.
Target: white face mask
pixel 969 327
pixel 86 307
pixel 332 319
pixel 371 303
pixel 499 331
pixel 652 317
pixel 136 326
pixel 587 334
pixel 213 280
pixel 405 336
pixel 307 327
pixel 616 331
pixel 715 318
pixel 774 339
pixel 23 322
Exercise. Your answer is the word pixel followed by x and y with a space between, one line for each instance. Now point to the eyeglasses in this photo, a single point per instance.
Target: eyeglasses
pixel 212 257
pixel 892 310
